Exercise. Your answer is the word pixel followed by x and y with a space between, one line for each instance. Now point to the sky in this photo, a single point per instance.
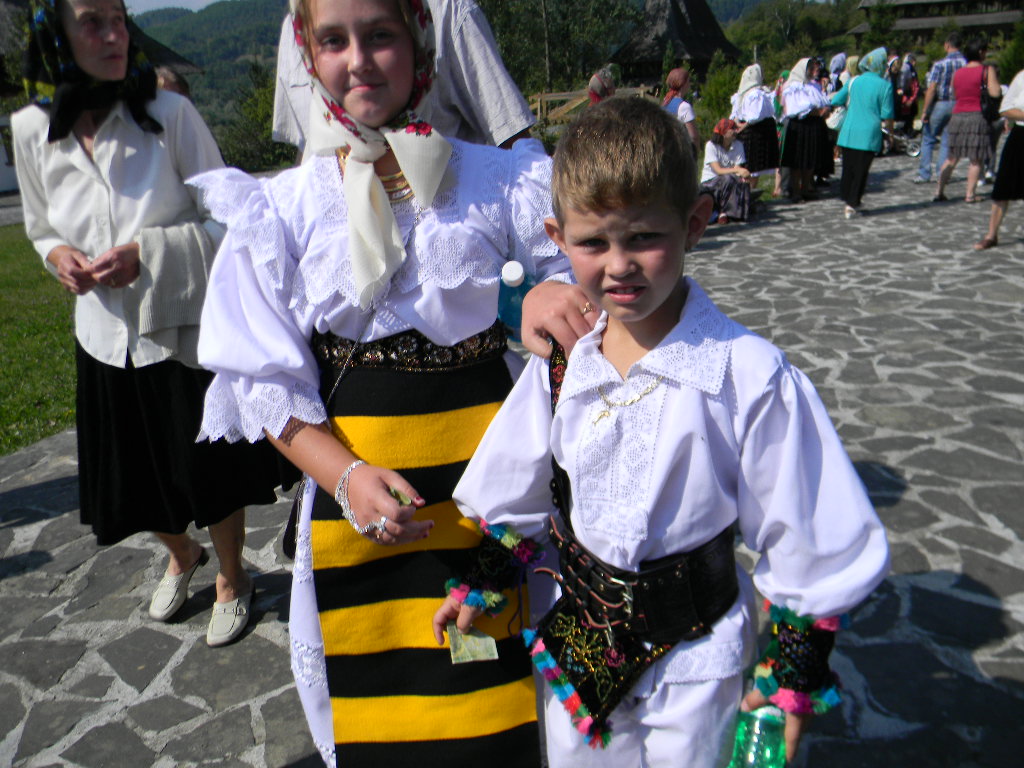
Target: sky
pixel 141 6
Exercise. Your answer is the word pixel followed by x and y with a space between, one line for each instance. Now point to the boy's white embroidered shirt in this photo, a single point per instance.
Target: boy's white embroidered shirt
pixel 732 432
pixel 282 272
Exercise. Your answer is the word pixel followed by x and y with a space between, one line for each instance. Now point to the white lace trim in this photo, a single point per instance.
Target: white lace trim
pixel 327 753
pixel 707 661
pixel 302 569
pixel 308 664
pixel 237 408
pixel 695 353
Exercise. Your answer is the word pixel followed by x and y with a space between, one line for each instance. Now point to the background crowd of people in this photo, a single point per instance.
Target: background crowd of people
pixel 850 112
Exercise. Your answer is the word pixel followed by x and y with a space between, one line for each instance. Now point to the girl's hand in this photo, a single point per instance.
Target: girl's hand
pixel 117 267
pixel 73 269
pixel 369 496
pixel 451 608
pixel 795 724
pixel 559 310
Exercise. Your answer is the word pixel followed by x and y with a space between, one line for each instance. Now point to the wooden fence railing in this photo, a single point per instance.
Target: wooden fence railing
pixel 556 108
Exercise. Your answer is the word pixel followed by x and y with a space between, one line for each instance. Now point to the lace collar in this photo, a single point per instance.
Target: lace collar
pixel 695 353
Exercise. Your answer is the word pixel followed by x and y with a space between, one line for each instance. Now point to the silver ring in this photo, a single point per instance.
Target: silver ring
pixel 379 525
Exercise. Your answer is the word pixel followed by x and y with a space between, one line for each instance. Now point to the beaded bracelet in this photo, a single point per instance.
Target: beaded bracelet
pixel 341 497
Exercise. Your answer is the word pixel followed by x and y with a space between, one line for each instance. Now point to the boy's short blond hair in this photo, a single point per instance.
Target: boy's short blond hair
pixel 624 151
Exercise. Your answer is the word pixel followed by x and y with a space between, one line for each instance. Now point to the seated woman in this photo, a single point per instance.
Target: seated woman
pixel 724 177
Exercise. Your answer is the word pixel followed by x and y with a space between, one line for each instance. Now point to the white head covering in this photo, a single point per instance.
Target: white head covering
pixel 798 74
pixel 751 78
pixel 376 249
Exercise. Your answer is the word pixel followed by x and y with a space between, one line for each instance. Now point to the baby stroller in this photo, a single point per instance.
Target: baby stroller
pixel 895 142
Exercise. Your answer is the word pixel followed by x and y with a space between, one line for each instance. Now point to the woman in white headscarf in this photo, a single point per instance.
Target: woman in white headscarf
pixel 754 113
pixel 351 320
pixel 805 141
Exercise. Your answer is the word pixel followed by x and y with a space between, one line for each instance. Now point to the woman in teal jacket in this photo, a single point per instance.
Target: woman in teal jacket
pixel 868 101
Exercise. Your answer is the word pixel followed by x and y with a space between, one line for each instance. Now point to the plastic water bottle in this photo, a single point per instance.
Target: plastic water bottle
pixel 515 284
pixel 760 740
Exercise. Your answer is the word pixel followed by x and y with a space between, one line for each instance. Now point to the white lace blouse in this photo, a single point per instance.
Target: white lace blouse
pixel 799 99
pixel 283 271
pixel 755 105
pixel 711 427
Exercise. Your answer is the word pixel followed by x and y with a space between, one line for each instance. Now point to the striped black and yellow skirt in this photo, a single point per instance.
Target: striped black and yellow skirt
pixel 396 698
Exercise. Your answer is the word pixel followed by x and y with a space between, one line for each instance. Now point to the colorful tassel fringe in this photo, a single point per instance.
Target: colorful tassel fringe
pixel 595 736
pixel 491 603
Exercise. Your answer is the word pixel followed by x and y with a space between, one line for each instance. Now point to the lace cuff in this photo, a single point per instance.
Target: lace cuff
pixel 793 672
pixel 234 412
pixel 500 563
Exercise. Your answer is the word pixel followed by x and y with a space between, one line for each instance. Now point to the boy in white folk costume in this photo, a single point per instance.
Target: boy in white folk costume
pixel 670 426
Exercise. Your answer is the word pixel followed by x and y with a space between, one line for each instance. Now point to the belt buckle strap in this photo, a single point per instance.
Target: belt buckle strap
pixel 627 595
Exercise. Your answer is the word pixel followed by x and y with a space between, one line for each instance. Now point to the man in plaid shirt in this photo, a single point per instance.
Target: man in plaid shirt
pixel 938 107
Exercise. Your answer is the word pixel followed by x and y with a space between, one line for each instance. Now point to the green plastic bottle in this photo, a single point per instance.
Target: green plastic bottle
pixel 760 739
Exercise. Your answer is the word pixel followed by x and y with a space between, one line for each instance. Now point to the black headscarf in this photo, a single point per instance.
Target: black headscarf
pixel 57 84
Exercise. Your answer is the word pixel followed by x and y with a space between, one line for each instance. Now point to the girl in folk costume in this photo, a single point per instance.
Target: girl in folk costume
pixel 754 113
pixel 724 176
pixel 805 140
pixel 351 320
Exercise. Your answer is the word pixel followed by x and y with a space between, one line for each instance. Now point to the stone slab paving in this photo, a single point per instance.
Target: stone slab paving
pixel 917 345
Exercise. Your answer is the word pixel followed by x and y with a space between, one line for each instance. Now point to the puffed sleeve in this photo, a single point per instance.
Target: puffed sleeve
pixel 530 198
pixel 507 480
pixel 803 507
pixel 264 369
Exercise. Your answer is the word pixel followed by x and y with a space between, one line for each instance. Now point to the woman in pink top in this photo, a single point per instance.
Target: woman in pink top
pixel 968 130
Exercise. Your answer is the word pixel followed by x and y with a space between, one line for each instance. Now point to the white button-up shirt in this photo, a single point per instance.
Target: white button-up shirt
pixel 712 427
pixel 130 190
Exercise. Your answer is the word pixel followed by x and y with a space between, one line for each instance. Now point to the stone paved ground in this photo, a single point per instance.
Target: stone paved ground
pixel 917 345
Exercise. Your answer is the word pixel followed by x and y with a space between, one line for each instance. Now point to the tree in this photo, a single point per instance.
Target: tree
pixel 245 141
pixel 556 45
pixel 1012 59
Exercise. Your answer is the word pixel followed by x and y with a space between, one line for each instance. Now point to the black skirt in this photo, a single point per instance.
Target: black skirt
pixel 139 466
pixel 806 145
pixel 1010 176
pixel 760 145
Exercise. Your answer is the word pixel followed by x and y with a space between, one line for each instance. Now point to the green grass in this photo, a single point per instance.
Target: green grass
pixel 37 348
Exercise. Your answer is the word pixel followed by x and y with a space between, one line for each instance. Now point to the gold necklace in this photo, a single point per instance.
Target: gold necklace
pixel 396 186
pixel 625 403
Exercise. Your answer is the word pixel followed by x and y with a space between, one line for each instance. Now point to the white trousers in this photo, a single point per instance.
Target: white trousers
pixel 667 725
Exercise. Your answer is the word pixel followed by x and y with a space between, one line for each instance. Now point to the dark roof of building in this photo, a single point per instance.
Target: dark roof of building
pixel 1000 18
pixel 689 25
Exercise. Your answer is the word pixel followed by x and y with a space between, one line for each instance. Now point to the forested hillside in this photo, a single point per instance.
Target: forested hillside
pixel 225 39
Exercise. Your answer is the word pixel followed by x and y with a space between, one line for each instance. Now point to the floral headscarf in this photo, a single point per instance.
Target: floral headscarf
pixel 874 62
pixel 375 243
pixel 751 78
pixel 55 82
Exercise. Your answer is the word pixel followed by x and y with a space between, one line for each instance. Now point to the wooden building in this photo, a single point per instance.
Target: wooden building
pixel 920 18
pixel 687 27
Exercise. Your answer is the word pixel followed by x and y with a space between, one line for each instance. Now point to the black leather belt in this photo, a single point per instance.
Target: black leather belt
pixel 674 598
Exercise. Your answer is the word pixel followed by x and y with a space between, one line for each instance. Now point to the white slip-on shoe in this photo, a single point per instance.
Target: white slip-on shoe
pixel 172 591
pixel 228 620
